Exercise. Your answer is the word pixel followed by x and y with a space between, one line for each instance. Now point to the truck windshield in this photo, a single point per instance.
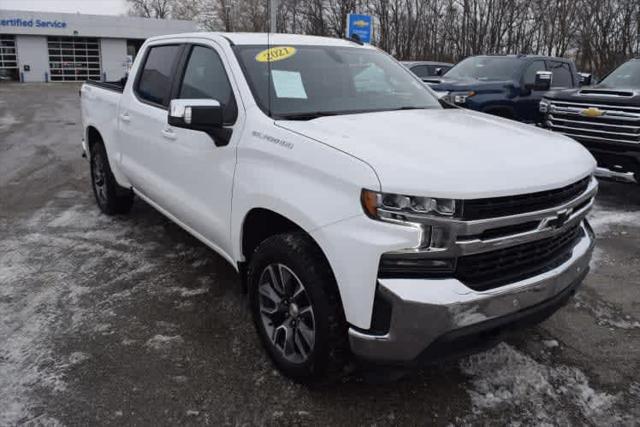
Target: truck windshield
pixel 485 68
pixel 625 76
pixel 313 81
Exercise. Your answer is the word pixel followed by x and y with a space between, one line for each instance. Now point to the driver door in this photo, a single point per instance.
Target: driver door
pixel 199 169
pixel 529 99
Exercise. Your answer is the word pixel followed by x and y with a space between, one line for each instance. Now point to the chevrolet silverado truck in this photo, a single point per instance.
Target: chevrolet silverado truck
pixel 509 86
pixel 368 223
pixel 605 118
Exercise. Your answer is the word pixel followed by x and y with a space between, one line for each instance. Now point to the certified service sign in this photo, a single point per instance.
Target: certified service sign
pixel 32 23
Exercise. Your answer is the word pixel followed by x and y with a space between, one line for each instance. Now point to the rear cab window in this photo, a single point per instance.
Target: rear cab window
pixel 156 74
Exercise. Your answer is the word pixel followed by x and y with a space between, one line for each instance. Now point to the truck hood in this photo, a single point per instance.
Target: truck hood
pixel 449 85
pixel 452 153
pixel 599 94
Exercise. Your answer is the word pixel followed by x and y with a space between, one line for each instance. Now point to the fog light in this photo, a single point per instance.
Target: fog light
pixel 414 265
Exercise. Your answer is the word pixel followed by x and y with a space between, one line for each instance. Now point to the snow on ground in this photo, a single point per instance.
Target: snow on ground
pixel 511 384
pixel 7 120
pixel 49 281
pixel 606 314
pixel 604 220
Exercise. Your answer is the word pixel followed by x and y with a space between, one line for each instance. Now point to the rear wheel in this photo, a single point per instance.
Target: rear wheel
pixel 297 310
pixel 112 199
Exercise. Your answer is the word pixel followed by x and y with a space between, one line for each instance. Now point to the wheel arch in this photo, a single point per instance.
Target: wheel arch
pixel 260 223
pixel 93 136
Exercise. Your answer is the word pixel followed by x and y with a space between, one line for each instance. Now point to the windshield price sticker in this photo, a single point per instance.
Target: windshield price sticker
pixel 277 53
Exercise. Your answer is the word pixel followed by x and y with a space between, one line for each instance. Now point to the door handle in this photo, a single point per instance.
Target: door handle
pixel 169 134
pixel 125 117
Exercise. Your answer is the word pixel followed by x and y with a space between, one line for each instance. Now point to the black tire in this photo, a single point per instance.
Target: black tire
pixel 112 199
pixel 327 360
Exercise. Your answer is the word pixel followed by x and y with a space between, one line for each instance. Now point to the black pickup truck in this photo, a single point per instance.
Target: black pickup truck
pixel 605 118
pixel 509 86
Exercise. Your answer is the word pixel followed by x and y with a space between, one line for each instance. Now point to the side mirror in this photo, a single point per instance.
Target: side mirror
pixel 197 114
pixel 543 80
pixel 585 79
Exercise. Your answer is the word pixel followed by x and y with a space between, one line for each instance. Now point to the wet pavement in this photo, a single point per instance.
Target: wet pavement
pixel 130 320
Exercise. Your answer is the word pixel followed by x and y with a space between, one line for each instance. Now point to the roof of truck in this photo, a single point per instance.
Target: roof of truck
pixel 262 39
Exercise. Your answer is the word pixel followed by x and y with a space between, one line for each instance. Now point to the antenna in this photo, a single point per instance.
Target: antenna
pixel 272 27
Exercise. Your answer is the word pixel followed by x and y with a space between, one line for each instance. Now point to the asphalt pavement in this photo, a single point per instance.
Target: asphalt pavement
pixel 130 320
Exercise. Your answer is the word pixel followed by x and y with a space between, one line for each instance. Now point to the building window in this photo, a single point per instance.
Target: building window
pixel 8 58
pixel 74 58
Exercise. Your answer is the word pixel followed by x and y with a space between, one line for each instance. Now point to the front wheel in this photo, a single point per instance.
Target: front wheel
pixel 296 308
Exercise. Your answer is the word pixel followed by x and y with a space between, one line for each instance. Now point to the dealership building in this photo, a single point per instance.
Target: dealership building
pixel 43 46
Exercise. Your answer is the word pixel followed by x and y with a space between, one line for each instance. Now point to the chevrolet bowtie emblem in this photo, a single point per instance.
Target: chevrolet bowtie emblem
pixel 592 112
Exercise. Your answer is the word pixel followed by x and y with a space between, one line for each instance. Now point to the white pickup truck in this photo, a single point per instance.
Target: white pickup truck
pixel 367 221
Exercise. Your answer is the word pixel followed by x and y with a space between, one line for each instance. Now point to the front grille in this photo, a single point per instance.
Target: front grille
pixel 496 207
pixel 496 268
pixel 615 124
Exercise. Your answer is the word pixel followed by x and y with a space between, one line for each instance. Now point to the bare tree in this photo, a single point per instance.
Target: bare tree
pixel 598 35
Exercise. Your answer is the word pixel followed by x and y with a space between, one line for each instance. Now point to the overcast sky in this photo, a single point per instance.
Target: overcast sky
pixel 96 7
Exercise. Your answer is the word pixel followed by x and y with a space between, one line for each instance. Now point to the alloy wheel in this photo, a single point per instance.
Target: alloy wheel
pixel 286 312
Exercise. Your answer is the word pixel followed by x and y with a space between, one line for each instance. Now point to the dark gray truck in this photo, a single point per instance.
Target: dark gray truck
pixel 605 118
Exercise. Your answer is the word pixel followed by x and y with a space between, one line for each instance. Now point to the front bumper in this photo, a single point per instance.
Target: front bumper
pixel 427 313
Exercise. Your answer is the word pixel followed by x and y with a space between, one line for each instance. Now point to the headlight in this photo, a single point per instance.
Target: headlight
pixel 398 207
pixel 458 98
pixel 544 106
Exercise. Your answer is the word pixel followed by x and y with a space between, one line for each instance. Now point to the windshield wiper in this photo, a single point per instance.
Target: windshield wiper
pixel 306 116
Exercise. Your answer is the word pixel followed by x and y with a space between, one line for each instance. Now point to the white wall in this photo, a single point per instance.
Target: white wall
pixel 113 58
pixel 32 51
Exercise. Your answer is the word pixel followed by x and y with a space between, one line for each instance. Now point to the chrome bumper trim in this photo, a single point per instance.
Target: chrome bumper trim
pixel 423 310
pixel 616 176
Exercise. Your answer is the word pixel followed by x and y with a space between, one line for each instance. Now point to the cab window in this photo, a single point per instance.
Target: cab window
pixel 562 76
pixel 424 70
pixel 530 73
pixel 154 83
pixel 205 77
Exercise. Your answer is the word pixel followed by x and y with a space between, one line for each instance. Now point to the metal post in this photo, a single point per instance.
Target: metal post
pixel 273 8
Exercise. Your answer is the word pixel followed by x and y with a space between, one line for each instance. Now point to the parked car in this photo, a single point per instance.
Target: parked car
pixel 605 118
pixel 366 220
pixel 427 69
pixel 509 86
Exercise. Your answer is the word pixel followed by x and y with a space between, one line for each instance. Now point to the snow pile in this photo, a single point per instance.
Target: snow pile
pixel 164 342
pixel 511 384
pixel 606 314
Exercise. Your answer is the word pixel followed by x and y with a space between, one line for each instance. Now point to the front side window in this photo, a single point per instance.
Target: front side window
pixel 303 82
pixel 529 77
pixel 487 68
pixel 155 80
pixel 561 74
pixel 626 76
pixel 205 77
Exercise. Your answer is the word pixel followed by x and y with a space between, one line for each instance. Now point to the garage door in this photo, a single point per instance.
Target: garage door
pixel 74 58
pixel 8 58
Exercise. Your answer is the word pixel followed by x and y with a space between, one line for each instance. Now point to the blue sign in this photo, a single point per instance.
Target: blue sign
pixel 359 26
pixel 30 23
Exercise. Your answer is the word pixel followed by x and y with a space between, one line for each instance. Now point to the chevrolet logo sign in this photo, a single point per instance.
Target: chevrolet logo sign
pixel 592 112
pixel 361 23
